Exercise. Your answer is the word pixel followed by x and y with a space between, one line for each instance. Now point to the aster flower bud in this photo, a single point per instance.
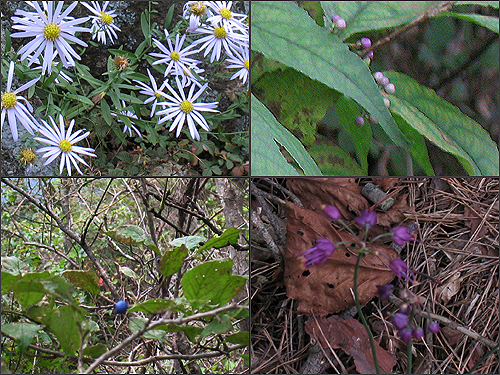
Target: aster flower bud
pixel 331 212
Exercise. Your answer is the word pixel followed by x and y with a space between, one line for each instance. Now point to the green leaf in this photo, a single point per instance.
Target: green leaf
pixel 23 333
pixel 157 305
pixel 267 137
pixel 129 272
pixel 190 241
pixel 493 4
pixel 87 280
pixel 418 148
pixel 366 16
pixel 220 324
pixel 486 21
pixel 347 111
pixel 298 101
pixel 64 325
pixel 8 281
pixel 106 112
pixel 239 338
pixel 132 235
pixel 168 17
pixel 212 282
pixel 444 125
pixel 28 290
pixel 278 31
pixel 146 31
pixel 172 260
pixel 334 161
pixel 95 351
pixel 229 236
pixel 13 265
pixel 191 332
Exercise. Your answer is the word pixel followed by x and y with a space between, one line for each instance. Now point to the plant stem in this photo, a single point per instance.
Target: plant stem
pixel 410 358
pixel 360 313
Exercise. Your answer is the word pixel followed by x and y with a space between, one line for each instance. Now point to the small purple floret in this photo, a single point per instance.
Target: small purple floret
pixel 331 212
pixel 384 291
pixel 401 235
pixel 400 321
pixel 401 270
pixel 433 327
pixel 367 217
pixel 319 253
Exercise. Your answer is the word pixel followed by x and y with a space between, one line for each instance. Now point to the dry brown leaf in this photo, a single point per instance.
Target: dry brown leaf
pixel 452 335
pixel 343 193
pixel 326 289
pixel 395 216
pixel 350 336
pixel 447 290
pixel 385 183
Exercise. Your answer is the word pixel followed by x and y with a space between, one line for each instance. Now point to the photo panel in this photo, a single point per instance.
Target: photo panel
pixel 383 88
pixel 128 88
pixel 345 270
pixel 127 274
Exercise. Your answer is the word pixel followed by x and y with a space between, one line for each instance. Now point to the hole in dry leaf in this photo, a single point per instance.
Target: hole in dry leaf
pixel 306 273
pixel 347 255
pixel 330 285
pixel 299 232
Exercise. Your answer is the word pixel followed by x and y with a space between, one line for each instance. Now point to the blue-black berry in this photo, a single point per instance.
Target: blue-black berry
pixel 121 307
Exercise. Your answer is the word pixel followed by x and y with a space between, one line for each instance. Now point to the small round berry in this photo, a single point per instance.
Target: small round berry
pixel 378 76
pixel 387 102
pixel 390 88
pixel 341 24
pixel 369 55
pixel 121 307
pixel 384 81
pixel 365 42
pixel 336 17
pixel 360 121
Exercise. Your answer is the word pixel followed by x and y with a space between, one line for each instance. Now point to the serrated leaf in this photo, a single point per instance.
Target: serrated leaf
pixel 444 125
pixel 374 15
pixel 172 260
pixel 229 236
pixel 211 282
pixel 87 280
pixel 278 31
pixel 268 134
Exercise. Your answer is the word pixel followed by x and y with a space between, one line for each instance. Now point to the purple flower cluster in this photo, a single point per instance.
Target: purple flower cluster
pixel 406 331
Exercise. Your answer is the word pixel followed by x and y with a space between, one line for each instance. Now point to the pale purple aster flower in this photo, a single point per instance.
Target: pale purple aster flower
pixel 102 21
pixel 50 31
pixel 62 143
pixel 220 37
pixel 195 8
pixel 14 109
pixel 184 108
pixel 241 62
pixel 175 55
pixel 153 92
pixel 130 115
pixel 224 16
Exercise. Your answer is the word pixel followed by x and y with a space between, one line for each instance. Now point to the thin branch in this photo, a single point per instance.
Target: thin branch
pixel 424 16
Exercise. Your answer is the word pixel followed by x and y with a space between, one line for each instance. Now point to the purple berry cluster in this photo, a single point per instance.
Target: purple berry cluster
pixel 384 83
pixel 338 22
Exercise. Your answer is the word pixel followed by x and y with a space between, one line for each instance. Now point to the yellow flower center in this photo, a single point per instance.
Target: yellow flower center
pixel 9 100
pixel 51 32
pixel 198 8
pixel 226 13
pixel 186 106
pixel 175 56
pixel 27 156
pixel 220 33
pixel 106 18
pixel 246 64
pixel 158 95
pixel 65 146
